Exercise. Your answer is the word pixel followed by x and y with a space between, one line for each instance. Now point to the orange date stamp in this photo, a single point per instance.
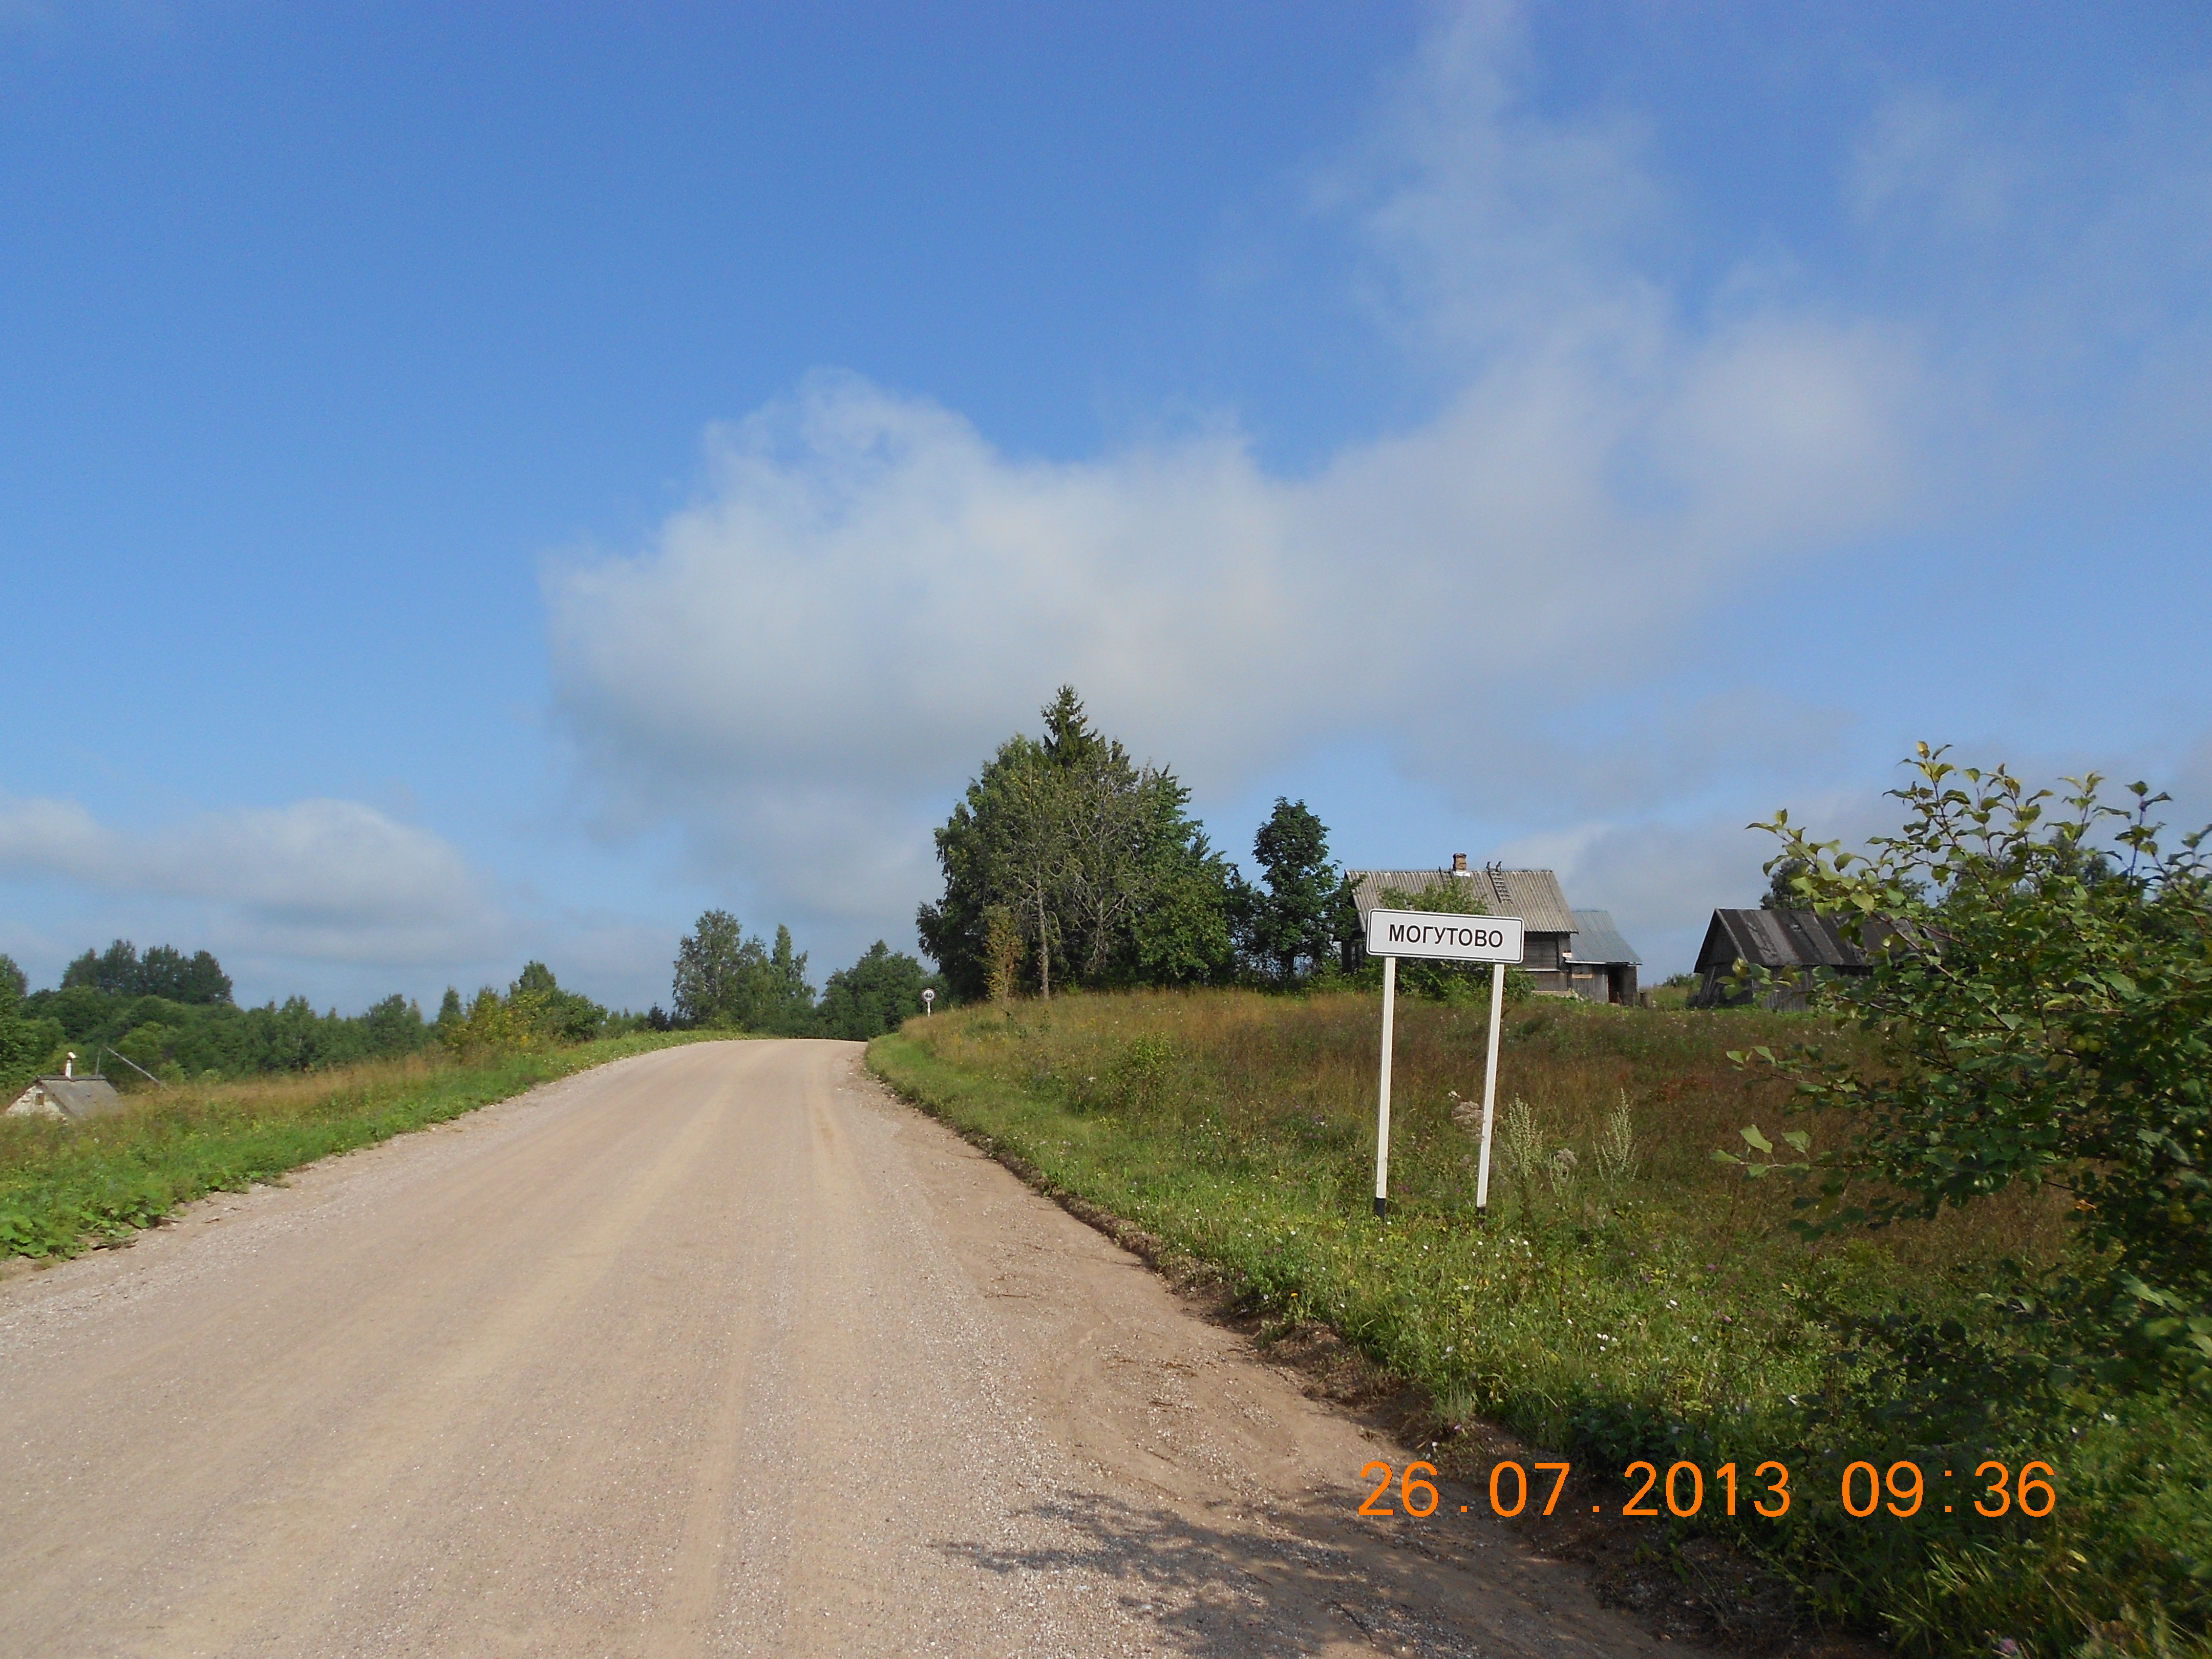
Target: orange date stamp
pixel 1901 1490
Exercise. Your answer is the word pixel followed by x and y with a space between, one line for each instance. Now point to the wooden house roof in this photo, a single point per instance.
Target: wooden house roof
pixel 1597 940
pixel 1777 938
pixel 1532 895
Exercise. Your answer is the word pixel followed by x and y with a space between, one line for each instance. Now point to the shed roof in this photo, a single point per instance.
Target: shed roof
pixel 1596 939
pixel 72 1098
pixel 1777 938
pixel 1532 895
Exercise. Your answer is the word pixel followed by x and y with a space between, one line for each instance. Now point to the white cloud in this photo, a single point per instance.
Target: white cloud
pixel 1928 165
pixel 801 667
pixel 319 880
pixel 1484 223
pixel 2059 277
pixel 1664 751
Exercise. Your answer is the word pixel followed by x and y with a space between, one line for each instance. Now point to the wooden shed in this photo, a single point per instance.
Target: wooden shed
pixel 1795 943
pixel 1600 964
pixel 1532 895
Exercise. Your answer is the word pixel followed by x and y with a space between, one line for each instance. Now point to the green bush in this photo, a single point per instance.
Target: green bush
pixel 2039 1016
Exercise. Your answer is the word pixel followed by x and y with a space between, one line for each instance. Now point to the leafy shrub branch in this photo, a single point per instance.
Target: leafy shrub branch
pixel 2040 1002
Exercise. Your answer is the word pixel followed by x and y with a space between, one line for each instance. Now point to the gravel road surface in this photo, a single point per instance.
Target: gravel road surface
pixel 715 1351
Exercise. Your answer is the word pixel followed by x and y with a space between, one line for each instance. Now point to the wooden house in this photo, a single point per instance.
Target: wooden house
pixel 1600 964
pixel 1792 943
pixel 1532 895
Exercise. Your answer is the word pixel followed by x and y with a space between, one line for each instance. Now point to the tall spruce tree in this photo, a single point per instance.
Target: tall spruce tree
pixel 1092 858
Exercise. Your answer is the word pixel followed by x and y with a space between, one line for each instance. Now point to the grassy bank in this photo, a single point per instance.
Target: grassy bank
pixel 64 1187
pixel 1627 1298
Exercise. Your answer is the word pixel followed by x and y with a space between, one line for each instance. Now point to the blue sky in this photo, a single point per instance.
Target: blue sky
pixel 487 483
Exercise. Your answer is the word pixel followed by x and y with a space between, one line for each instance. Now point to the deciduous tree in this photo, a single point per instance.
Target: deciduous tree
pixel 877 993
pixel 164 971
pixel 784 1002
pixel 25 1039
pixel 714 965
pixel 724 978
pixel 1290 929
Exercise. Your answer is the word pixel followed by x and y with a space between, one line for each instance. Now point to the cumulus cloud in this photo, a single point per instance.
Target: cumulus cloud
pixel 323 880
pixel 802 666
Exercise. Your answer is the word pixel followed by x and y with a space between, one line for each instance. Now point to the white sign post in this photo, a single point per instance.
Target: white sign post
pixel 1434 936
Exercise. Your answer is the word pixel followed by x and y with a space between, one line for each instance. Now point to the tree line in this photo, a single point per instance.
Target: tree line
pixel 728 979
pixel 1068 863
pixel 171 1018
pixel 171 1015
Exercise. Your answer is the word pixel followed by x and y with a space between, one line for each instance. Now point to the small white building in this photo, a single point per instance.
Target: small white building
pixel 75 1099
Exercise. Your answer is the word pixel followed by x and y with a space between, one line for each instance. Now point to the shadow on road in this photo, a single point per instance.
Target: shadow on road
pixel 1219 1590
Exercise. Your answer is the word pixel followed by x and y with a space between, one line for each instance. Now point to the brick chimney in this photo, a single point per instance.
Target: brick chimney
pixel 1458 864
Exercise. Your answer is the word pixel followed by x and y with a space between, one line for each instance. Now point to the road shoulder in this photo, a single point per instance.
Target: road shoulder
pixel 1223 1455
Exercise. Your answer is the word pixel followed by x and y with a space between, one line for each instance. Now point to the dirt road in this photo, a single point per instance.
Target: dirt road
pixel 717 1351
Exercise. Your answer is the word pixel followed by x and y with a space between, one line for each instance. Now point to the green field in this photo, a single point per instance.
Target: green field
pixel 1627 1298
pixel 65 1187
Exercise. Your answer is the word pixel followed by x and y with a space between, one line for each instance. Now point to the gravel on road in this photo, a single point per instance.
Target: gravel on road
pixel 714 1351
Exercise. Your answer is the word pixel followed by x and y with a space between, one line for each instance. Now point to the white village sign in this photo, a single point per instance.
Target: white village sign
pixel 1432 936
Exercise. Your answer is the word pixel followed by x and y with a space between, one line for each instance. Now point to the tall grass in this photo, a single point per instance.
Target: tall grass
pixel 1627 1298
pixel 63 1187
